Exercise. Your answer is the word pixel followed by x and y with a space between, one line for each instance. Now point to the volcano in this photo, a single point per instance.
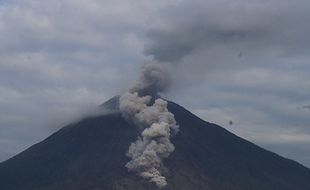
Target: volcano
pixel 91 155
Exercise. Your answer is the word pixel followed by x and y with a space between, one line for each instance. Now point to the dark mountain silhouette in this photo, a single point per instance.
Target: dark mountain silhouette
pixel 90 155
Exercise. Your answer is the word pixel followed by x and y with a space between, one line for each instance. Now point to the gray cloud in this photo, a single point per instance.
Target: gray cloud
pixel 246 26
pixel 59 59
pixel 306 107
pixel 241 61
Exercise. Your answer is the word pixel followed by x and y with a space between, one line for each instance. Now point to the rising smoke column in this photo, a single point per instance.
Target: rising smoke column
pixel 155 122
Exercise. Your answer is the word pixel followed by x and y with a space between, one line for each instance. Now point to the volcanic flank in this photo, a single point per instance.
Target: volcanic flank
pixel 148 143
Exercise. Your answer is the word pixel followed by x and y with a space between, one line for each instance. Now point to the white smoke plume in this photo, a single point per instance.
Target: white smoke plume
pixel 154 120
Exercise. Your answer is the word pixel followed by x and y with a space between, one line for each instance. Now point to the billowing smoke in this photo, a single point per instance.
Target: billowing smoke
pixel 154 78
pixel 154 121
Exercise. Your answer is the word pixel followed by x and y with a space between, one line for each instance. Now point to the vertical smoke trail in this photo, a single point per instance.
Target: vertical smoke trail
pixel 155 121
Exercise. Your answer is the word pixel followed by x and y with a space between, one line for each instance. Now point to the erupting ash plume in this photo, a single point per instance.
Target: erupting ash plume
pixel 154 121
pixel 154 78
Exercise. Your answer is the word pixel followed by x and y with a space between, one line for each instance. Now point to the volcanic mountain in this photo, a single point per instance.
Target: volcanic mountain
pixel 91 155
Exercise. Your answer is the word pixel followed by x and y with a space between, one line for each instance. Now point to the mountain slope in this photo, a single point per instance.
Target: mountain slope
pixel 90 155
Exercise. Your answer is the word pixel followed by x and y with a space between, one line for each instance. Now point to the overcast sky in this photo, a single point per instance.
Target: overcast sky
pixel 241 61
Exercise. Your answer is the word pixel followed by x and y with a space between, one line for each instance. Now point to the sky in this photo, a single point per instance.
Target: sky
pixel 241 61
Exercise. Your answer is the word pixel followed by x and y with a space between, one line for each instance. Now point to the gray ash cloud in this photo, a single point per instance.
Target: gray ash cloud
pixel 154 121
